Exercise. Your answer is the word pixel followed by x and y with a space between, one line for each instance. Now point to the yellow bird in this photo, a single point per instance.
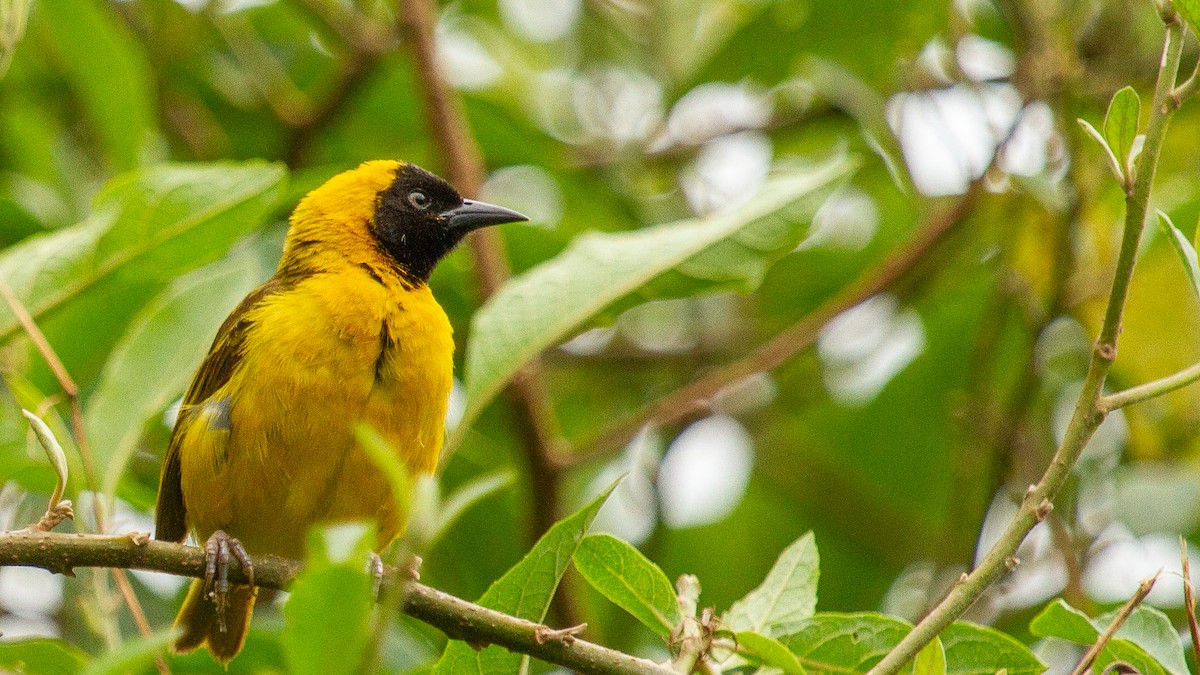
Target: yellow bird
pixel 346 331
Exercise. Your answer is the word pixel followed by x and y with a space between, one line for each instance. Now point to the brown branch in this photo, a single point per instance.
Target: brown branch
pixel 459 619
pixel 1189 597
pixel 1089 657
pixel 68 386
pixel 367 42
pixel 464 166
pixel 697 395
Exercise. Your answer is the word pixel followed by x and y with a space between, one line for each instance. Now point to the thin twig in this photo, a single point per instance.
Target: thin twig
pixel 68 386
pixel 1149 390
pixel 1189 597
pixel 1089 657
pixel 697 395
pixel 459 619
pixel 71 390
pixel 464 166
pixel 1038 499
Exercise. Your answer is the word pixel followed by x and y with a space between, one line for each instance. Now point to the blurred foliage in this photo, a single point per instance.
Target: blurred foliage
pixel 150 151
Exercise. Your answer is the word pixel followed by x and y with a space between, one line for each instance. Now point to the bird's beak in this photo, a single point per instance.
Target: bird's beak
pixel 473 215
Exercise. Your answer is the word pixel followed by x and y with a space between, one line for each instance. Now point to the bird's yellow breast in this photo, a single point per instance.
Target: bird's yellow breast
pixel 272 451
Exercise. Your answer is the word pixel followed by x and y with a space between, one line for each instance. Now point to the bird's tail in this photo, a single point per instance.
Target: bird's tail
pixel 198 623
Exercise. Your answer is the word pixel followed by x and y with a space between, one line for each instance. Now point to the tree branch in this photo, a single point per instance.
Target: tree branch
pixel 459 619
pixel 464 165
pixel 1089 412
pixel 697 395
pixel 1149 390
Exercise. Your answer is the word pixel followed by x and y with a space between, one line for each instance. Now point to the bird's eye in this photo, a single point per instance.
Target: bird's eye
pixel 418 199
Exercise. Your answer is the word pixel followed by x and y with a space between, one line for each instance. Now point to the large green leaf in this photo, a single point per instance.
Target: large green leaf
pixel 788 595
pixel 41 657
pixel 110 73
pixel 601 273
pixel 154 361
pixel 977 650
pixel 630 580
pixel 329 610
pixel 1151 630
pixel 841 643
pixel 1146 640
pixel 931 660
pixel 84 283
pixel 524 591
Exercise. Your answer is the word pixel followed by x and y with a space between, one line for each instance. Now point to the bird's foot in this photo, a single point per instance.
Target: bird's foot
pixel 410 570
pixel 218 551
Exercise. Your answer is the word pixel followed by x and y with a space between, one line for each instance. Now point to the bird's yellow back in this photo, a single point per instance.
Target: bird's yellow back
pixel 345 332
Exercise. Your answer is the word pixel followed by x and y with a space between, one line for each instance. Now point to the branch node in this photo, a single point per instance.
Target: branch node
pixel 53 516
pixel 1043 509
pixel 1012 562
pixel 139 538
pixel 1106 351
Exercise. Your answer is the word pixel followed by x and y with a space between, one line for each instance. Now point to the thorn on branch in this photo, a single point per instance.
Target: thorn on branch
pixel 544 634
pixel 139 538
pixel 1043 509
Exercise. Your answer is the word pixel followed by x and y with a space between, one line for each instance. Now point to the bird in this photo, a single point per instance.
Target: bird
pixel 345 332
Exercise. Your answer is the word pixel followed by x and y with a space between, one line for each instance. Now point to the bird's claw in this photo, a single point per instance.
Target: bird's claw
pixel 375 568
pixel 218 551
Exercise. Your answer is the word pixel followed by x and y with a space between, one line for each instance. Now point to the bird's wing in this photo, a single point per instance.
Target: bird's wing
pixel 224 355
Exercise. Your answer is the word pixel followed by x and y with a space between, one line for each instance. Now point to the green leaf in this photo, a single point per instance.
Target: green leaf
pixel 16 223
pixel 764 651
pixel 1114 164
pixel 153 362
pixel 788 594
pixel 328 613
pixel 42 657
pixel 1121 123
pixel 838 643
pixel 525 591
pixel 84 283
pixel 630 580
pixel 931 660
pixel 1063 621
pixel 977 650
pixel 109 71
pixel 1190 10
pixel 1151 630
pixel 132 656
pixel 602 273
pixel 1183 248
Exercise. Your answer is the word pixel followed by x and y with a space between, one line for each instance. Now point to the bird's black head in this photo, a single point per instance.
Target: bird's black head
pixel 419 218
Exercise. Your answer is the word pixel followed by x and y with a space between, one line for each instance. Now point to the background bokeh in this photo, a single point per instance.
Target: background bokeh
pixel 902 438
